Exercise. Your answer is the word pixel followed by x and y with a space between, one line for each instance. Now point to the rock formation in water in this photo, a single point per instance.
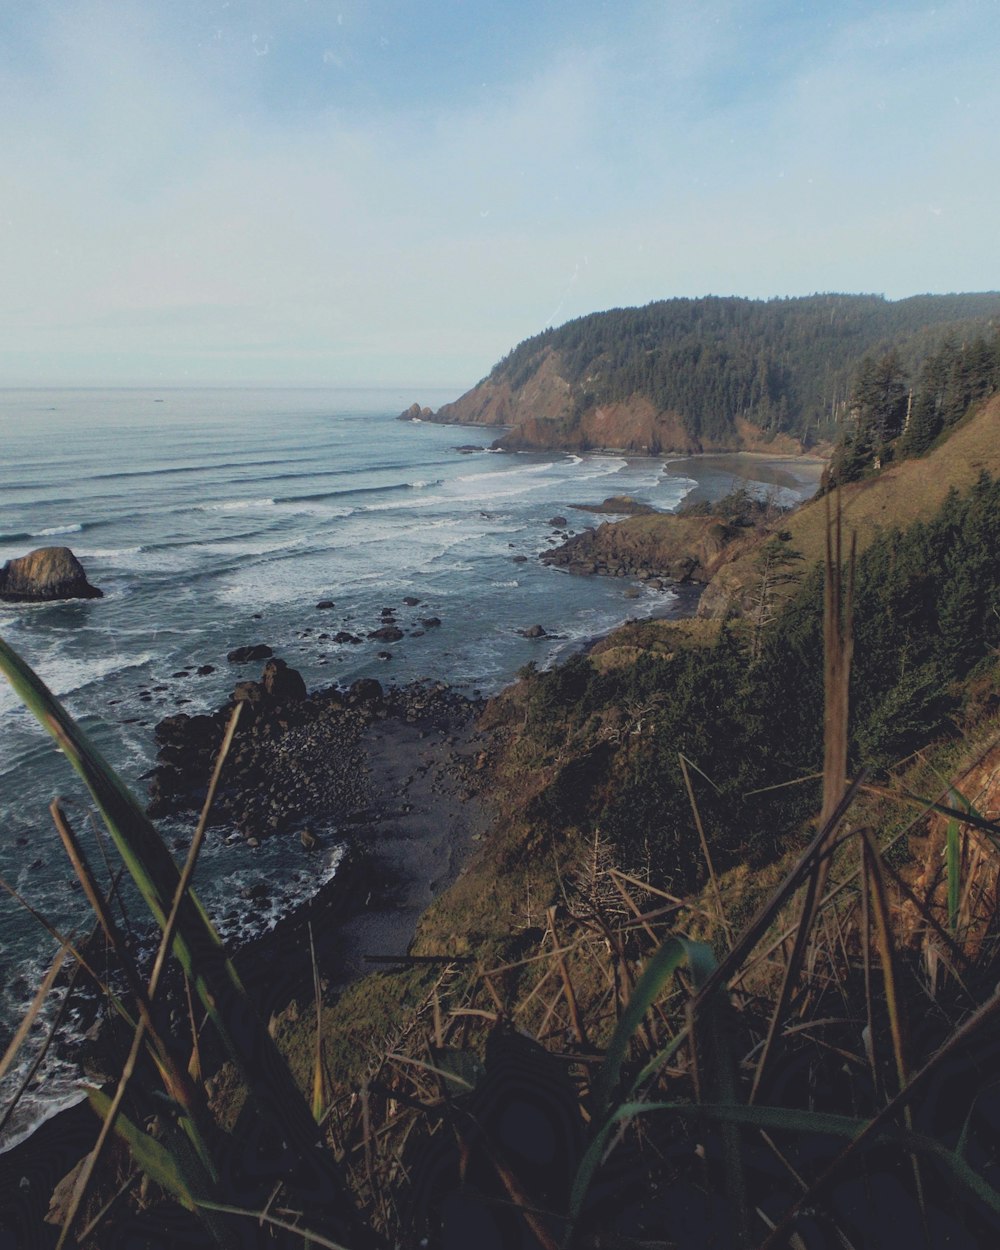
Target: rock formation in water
pixel 46 574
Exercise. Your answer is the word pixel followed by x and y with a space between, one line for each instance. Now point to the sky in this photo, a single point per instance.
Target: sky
pixel 396 192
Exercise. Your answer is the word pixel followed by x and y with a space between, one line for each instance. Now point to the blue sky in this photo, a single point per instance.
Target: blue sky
pixel 397 191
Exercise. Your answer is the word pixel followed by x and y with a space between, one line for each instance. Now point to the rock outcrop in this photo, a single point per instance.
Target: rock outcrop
pixel 46 574
pixel 416 413
pixel 651 547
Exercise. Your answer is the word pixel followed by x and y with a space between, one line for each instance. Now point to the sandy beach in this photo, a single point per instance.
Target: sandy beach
pixel 719 474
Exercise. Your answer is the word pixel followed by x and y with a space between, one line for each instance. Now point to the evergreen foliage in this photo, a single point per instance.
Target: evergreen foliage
pixel 889 420
pixel 785 365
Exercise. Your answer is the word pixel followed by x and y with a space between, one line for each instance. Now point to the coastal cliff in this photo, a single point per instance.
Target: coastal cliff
pixel 706 375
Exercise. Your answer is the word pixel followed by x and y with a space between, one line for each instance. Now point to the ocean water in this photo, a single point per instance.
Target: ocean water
pixel 216 518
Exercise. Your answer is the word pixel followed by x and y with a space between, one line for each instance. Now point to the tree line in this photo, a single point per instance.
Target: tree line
pixel 785 365
pixel 892 418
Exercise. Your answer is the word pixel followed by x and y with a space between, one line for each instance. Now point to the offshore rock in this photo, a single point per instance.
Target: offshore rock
pixel 46 574
pixel 245 655
pixel 281 683
pixel 416 413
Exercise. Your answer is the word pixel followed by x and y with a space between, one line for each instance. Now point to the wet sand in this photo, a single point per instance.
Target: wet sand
pixel 719 475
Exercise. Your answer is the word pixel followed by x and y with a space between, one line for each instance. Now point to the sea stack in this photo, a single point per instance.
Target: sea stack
pixel 46 574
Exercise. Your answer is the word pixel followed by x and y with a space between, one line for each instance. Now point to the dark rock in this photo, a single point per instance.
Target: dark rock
pixel 248 692
pixel 519 559
pixel 467 449
pixel 558 522
pixel 431 622
pixel 245 655
pixel 45 574
pixel 384 655
pixel 387 613
pixel 172 728
pixel 365 690
pixel 281 683
pixel 411 601
pixel 344 636
pixel 325 604
pixel 533 631
pixel 205 669
pixel 387 633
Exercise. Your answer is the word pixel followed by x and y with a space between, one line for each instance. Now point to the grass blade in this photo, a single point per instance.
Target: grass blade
pixel 17 1041
pixel 663 964
pixel 194 941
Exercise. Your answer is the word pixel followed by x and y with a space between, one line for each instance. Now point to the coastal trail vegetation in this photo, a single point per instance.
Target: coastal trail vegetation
pixel 724 974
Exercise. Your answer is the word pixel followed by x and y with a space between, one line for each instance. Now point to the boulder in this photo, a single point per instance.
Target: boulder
pixel 324 605
pixel 365 690
pixel 248 692
pixel 430 622
pixel 281 683
pixel 533 631
pixel 558 522
pixel 387 633
pixel 246 655
pixel 48 573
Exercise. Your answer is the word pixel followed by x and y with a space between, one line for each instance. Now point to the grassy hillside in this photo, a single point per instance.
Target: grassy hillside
pixel 902 494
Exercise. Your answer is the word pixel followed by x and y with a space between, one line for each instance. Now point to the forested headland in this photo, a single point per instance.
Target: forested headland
pixel 722 373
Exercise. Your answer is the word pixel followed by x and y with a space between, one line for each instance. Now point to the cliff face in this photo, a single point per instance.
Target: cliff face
pixel 544 398
pixel 706 375
pixel 544 415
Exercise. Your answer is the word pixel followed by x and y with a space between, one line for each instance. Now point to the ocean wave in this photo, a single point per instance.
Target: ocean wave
pixel 505 585
pixel 601 466
pixel 116 553
pixel 53 530
pixel 68 675
pixel 240 924
pixel 235 505
pixel 500 473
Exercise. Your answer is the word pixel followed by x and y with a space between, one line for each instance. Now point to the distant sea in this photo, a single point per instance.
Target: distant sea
pixel 216 518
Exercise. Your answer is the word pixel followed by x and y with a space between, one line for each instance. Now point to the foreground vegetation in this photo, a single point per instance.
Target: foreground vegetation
pixel 723 975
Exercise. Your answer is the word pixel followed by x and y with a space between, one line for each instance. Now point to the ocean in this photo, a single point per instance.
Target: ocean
pixel 214 518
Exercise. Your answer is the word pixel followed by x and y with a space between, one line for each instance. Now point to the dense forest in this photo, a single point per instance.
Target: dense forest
pixel 785 365
pixel 747 712
pixel 892 417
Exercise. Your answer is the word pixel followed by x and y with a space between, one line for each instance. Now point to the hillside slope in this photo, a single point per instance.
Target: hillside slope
pixel 901 494
pixel 713 374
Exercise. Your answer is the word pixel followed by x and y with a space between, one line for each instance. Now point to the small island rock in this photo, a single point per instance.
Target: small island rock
pixel 416 413
pixel 45 574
